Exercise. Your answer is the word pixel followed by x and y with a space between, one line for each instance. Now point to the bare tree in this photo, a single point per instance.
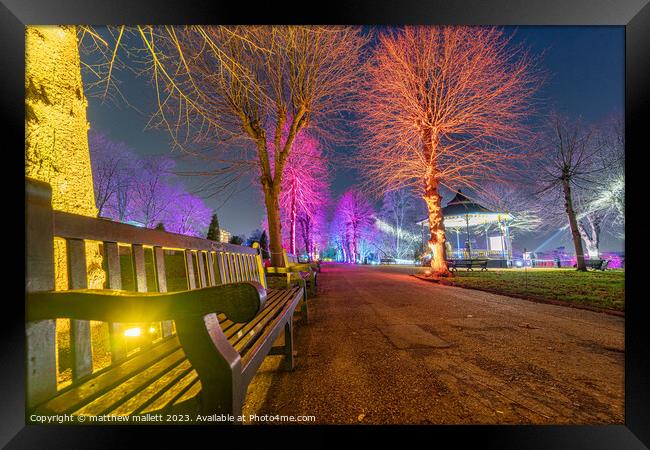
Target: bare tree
pixel 568 164
pixel 221 90
pixel 601 205
pixel 396 218
pixel 152 193
pixel 610 171
pixel 516 199
pixel 245 85
pixel 443 106
pixel 112 167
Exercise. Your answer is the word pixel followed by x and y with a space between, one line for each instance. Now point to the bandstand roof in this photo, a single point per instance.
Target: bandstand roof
pixel 461 212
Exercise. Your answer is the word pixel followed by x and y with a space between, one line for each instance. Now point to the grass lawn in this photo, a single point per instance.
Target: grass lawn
pixel 593 288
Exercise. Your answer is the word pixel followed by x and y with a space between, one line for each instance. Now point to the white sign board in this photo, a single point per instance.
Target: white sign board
pixel 496 243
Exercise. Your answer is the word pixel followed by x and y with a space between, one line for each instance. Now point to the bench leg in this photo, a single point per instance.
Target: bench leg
pixel 217 364
pixel 303 284
pixel 288 345
pixel 304 311
pixel 229 396
pixel 312 283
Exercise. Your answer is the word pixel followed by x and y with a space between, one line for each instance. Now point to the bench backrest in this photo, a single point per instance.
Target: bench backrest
pixel 144 251
pixel 289 258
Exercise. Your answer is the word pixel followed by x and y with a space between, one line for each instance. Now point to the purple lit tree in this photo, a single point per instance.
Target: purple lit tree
pixel 312 232
pixel 152 193
pixel 353 222
pixel 113 165
pixel 186 213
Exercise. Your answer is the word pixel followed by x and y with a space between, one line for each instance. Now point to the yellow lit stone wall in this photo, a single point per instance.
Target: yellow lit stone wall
pixel 56 132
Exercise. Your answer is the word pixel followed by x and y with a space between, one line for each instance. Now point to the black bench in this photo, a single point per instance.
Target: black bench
pixel 597 264
pixel 211 335
pixel 469 264
pixel 387 261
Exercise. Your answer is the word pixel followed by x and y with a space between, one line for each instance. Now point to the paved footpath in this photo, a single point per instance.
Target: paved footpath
pixel 382 347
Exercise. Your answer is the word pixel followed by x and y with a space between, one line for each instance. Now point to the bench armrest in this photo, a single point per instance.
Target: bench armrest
pixel 302 267
pixel 285 270
pixel 240 302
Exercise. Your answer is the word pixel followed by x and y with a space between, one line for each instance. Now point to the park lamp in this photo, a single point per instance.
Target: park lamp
pixel 132 332
pixel 137 331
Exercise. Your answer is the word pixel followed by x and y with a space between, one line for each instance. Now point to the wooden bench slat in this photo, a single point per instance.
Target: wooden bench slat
pixel 236 334
pixel 192 391
pixel 201 263
pixel 161 284
pixel 80 347
pixel 114 281
pixel 152 392
pixel 130 387
pixel 250 333
pixel 189 269
pixel 172 394
pixel 75 396
pixel 229 328
pixel 211 274
pixel 139 270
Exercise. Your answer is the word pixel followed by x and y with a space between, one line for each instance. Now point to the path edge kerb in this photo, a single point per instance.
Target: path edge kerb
pixel 445 282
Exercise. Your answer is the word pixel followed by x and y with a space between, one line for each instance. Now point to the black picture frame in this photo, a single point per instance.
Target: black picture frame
pixel 633 14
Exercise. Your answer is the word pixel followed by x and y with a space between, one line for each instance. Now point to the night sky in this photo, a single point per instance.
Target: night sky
pixel 585 66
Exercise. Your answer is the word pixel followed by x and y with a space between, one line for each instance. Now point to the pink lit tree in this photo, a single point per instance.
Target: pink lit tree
pixel 305 190
pixel 443 106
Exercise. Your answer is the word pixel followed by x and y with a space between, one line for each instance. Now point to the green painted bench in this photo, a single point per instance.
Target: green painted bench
pixel 294 272
pixel 210 337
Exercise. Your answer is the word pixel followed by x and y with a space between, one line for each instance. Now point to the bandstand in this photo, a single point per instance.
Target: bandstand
pixel 474 231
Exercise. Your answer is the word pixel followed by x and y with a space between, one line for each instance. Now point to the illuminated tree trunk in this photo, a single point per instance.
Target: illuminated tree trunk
pixel 56 133
pixel 305 228
pixel 437 245
pixel 591 235
pixel 308 244
pixel 354 249
pixel 573 224
pixel 292 219
pixel 272 200
pixel 433 199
